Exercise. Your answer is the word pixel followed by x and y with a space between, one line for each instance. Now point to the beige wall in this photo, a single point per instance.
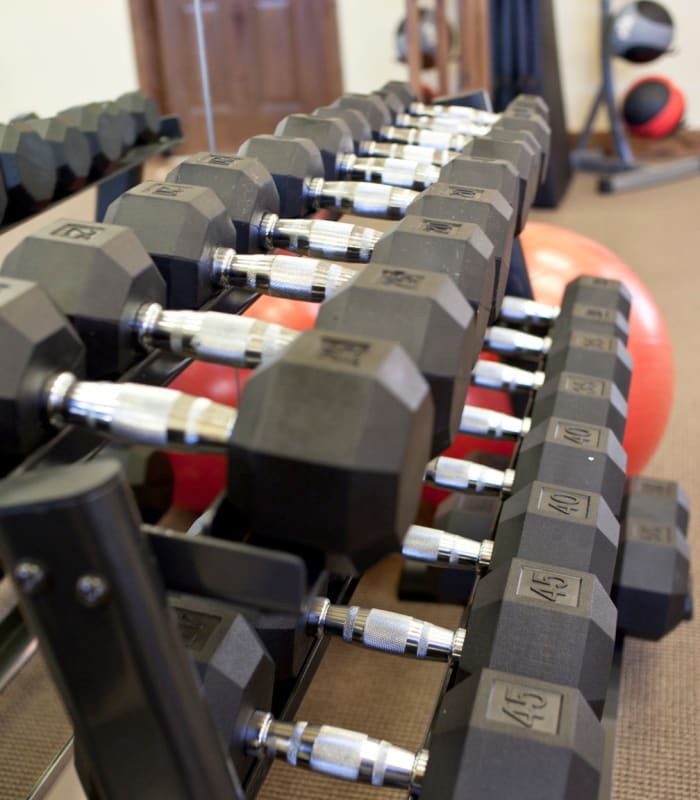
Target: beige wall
pixel 56 54
pixel 367 29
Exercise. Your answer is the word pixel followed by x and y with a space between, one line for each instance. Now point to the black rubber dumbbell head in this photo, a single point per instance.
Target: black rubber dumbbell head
pixel 236 672
pixel 429 317
pixel 330 445
pixel 499 735
pixel 589 353
pixel 590 454
pixel 484 207
pixel 545 622
pixel 103 135
pixel 291 162
pixel 331 135
pixel 460 250
pixel 658 500
pixel 355 120
pixel 556 524
pixel 180 226
pixel 71 152
pixel 652 577
pixel 28 169
pixel 99 276
pixel 587 398
pixel 242 184
pixel 37 342
pixel 145 112
pixel 371 105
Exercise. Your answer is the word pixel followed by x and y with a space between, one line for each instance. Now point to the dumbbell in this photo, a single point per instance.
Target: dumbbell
pixel 567 394
pixel 145 113
pixel 296 167
pixel 651 581
pixel 123 121
pixel 248 192
pixel 441 131
pixel 547 720
pixel 103 280
pixel 460 250
pixel 28 170
pixel 401 93
pixel 567 613
pixel 102 132
pixel 41 391
pixel 333 138
pixel 70 148
pixel 190 237
pixel 527 157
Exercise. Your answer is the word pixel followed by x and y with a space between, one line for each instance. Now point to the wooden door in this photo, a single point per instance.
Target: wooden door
pixel 267 58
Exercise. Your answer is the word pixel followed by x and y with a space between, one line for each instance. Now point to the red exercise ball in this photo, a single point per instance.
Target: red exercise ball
pixel 653 107
pixel 199 478
pixel 556 256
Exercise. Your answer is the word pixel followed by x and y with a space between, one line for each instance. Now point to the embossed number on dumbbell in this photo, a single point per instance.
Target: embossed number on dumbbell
pixel 524 706
pixel 555 588
pixel 439 226
pixel 465 192
pixel 400 278
pixel 166 189
pixel 343 351
pixel 650 532
pixel 74 230
pixel 600 343
pixel 195 628
pixel 579 435
pixel 564 503
pixel 585 386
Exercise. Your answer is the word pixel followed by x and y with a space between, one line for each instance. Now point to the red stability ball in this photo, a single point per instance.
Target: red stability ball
pixel 653 107
pixel 556 256
pixel 200 478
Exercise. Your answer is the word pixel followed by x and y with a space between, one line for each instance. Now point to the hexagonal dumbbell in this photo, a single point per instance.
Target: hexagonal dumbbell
pixel 488 727
pixel 70 147
pixel 145 113
pixel 250 196
pixel 296 166
pixel 190 237
pixel 546 522
pixel 41 390
pixel 103 280
pixel 28 170
pixel 652 580
pixel 102 132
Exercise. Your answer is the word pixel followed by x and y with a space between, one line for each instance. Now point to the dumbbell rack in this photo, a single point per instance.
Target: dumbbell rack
pixel 73 445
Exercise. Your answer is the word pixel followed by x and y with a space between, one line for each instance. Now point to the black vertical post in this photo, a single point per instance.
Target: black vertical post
pixel 70 540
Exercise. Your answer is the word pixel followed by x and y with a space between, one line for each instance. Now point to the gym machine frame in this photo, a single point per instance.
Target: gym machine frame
pixel 620 171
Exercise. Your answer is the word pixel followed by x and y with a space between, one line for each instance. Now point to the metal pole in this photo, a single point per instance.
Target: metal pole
pixel 204 70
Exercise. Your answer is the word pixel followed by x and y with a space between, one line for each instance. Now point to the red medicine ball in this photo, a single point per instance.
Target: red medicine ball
pixel 653 107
